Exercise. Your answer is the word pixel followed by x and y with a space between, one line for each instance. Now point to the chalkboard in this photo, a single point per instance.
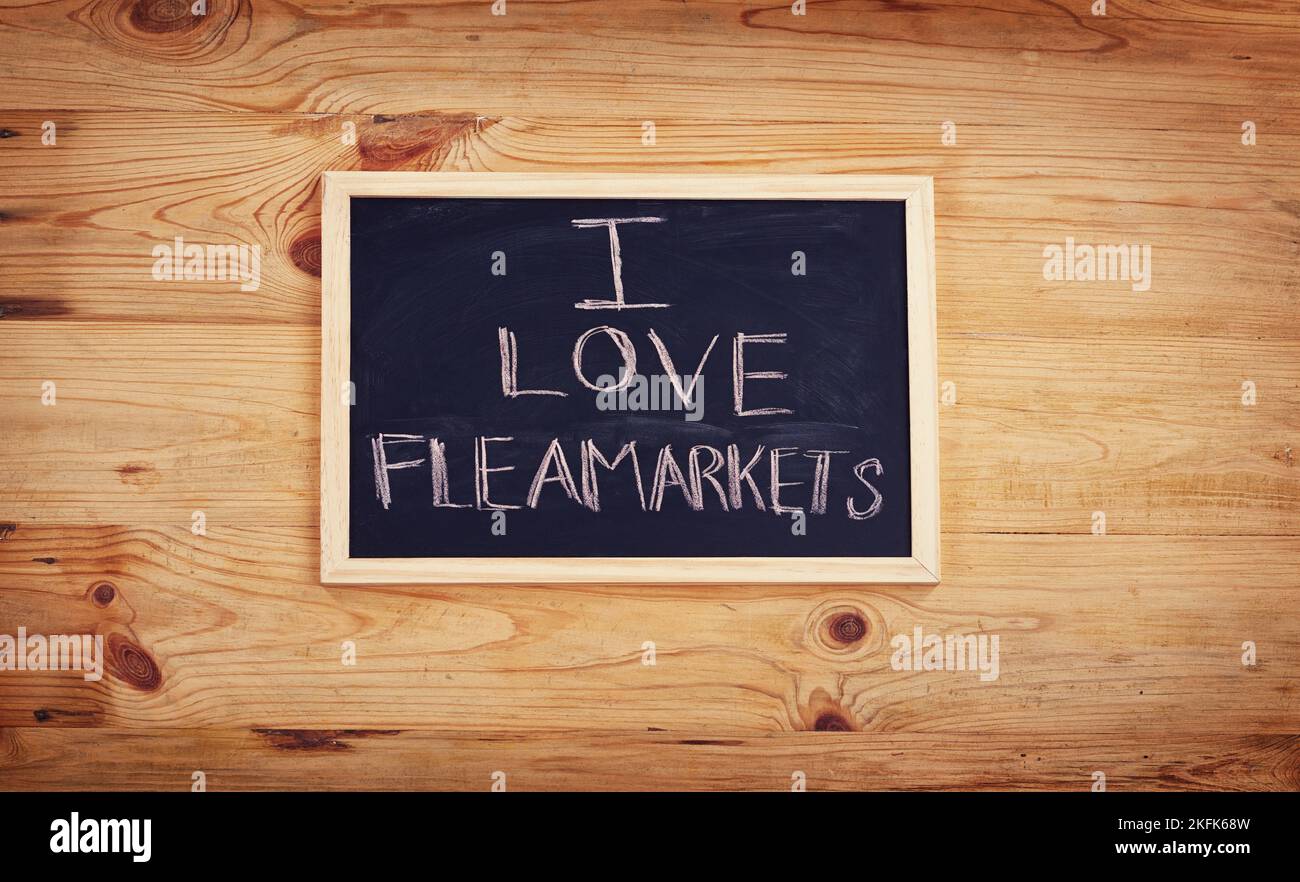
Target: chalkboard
pixel 546 379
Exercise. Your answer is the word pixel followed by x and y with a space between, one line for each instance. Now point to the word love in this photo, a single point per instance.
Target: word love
pixel 708 474
pixel 683 386
pixel 509 345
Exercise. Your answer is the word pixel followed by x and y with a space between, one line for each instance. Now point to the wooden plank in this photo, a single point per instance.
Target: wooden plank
pixel 154 422
pixel 81 218
pixel 298 759
pixel 1100 635
pixel 1151 432
pixel 844 60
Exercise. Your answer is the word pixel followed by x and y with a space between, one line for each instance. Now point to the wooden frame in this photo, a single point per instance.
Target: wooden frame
pixel 916 192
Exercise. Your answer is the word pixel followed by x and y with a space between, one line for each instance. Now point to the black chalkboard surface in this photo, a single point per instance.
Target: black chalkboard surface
pixel 628 378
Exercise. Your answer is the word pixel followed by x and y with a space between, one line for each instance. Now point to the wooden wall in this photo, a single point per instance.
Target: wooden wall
pixel 1120 653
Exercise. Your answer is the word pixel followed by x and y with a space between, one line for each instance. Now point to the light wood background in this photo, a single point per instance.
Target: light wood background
pixel 1119 653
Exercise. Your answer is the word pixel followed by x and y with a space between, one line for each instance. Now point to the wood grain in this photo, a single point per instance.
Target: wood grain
pixel 80 219
pixel 845 60
pixel 1098 634
pixel 1120 653
pixel 297 759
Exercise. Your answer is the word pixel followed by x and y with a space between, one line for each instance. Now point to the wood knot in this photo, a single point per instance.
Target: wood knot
pixel 827 713
pixel 832 723
pixel 78 718
pixel 131 664
pixel 168 30
pixel 843 630
pixel 103 593
pixel 847 628
pixel 319 740
pixel 416 140
pixel 138 474
pixel 163 16
pixel 304 252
